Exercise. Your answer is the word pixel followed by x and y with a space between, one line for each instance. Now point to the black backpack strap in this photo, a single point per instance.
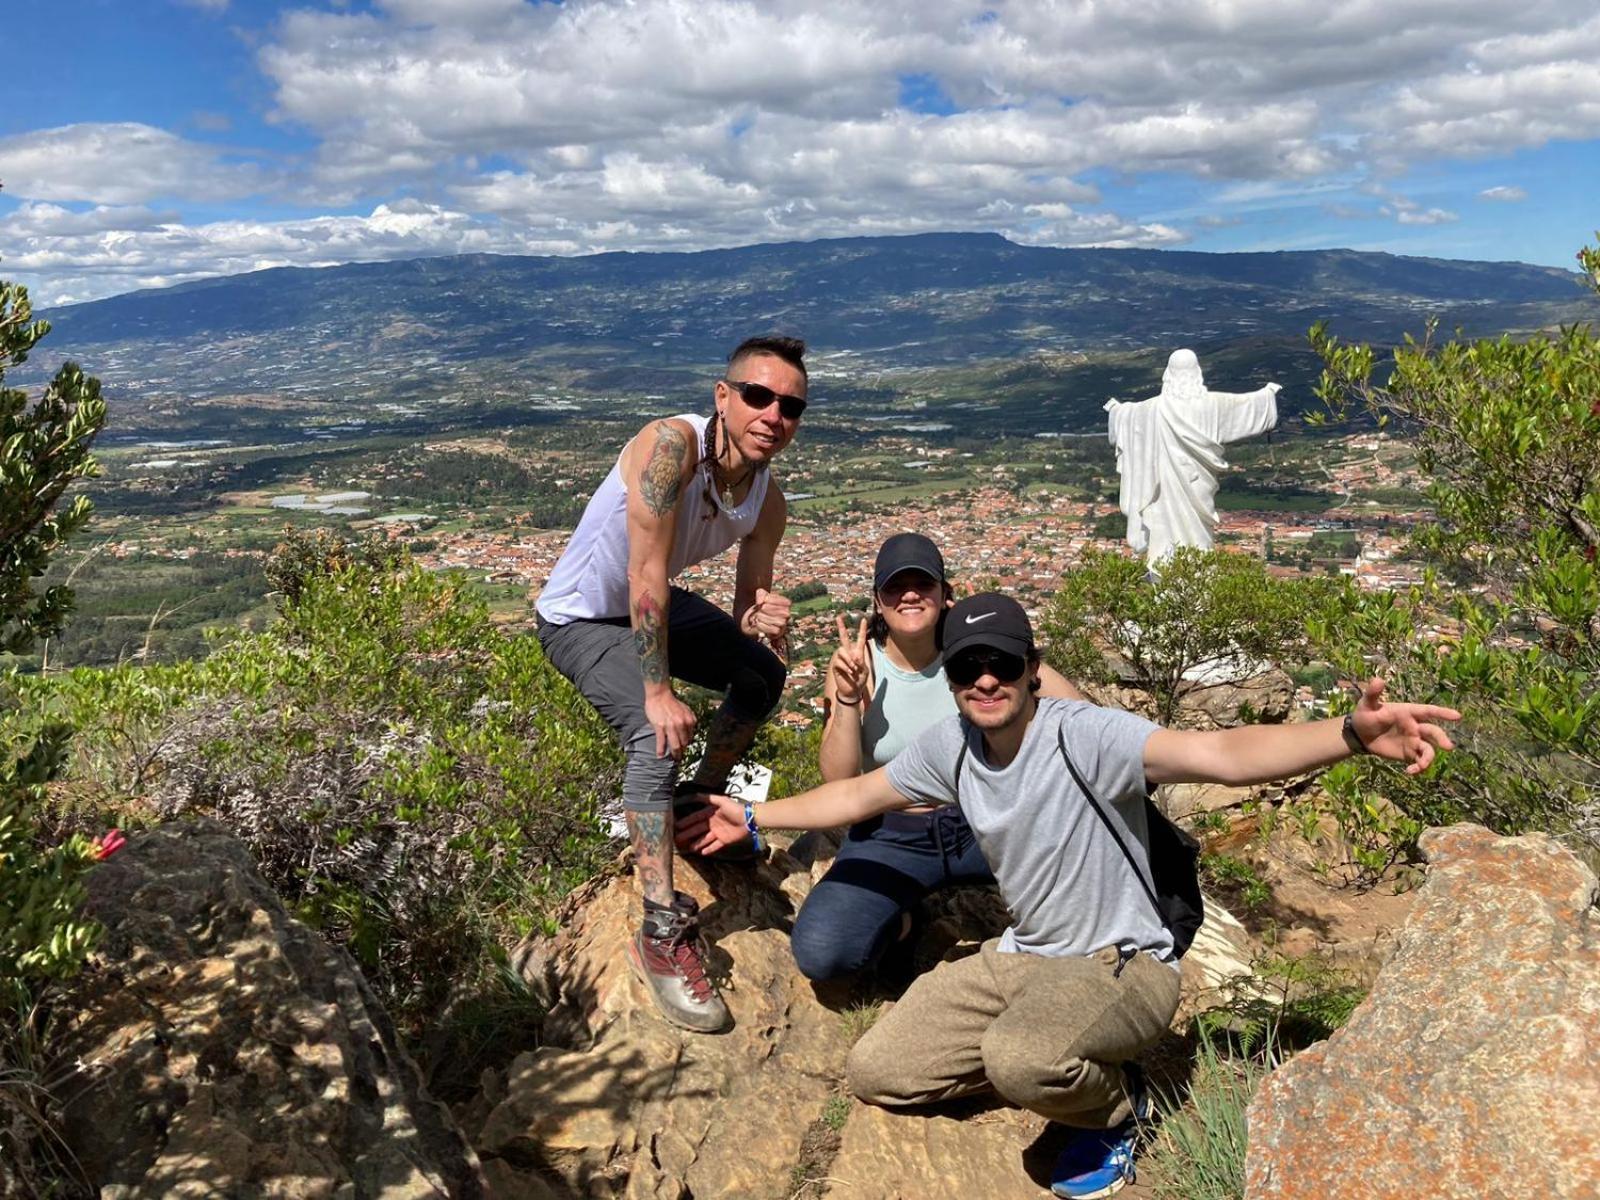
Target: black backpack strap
pixel 1083 786
pixel 961 760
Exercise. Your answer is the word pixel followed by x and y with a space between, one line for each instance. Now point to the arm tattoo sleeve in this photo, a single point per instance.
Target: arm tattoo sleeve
pixel 662 477
pixel 650 638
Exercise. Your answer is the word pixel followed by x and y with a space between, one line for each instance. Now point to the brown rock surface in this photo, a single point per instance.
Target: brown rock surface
pixel 1473 1067
pixel 229 1051
pixel 627 1105
pixel 630 1105
pixel 1270 695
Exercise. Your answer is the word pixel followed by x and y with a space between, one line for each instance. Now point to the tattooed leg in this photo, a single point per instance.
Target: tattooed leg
pixel 651 834
pixel 726 741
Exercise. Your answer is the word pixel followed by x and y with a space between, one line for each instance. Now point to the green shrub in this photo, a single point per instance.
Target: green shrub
pixel 1505 431
pixel 410 779
pixel 44 450
pixel 1527 751
pixel 1235 878
pixel 305 555
pixel 1204 608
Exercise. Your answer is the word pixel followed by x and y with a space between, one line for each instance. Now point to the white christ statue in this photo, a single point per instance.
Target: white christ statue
pixel 1169 454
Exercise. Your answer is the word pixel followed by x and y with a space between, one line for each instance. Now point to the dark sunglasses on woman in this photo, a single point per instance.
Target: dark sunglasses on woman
pixel 759 396
pixel 967 667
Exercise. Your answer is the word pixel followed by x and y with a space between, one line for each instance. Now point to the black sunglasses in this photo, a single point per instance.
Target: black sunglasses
pixel 967 667
pixel 759 396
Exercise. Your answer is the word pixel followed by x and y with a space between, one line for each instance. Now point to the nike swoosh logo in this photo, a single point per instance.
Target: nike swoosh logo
pixel 980 617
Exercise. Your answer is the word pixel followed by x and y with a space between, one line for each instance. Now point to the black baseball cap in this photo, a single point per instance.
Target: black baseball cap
pixel 907 552
pixel 987 619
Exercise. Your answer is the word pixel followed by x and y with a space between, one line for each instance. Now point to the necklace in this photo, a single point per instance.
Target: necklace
pixel 727 489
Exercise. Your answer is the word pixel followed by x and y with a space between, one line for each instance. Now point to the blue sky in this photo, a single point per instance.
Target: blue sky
pixel 147 142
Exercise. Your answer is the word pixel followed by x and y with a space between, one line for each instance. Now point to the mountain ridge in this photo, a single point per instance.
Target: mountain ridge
pixel 918 300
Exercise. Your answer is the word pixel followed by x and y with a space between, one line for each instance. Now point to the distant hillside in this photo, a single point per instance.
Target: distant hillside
pixel 907 301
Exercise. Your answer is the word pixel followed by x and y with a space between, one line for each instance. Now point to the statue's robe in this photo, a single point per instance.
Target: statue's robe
pixel 1169 454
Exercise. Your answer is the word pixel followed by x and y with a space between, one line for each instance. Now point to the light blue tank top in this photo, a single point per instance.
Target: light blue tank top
pixel 904 703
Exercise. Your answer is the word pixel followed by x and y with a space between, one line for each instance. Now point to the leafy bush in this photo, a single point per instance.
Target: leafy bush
pixel 44 449
pixel 302 556
pixel 413 781
pixel 1506 432
pixel 42 937
pixel 1204 608
pixel 1235 879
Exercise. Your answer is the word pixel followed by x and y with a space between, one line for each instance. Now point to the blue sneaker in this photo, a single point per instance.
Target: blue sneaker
pixel 1098 1162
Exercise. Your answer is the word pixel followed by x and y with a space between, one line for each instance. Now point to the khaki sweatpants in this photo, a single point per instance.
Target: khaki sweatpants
pixel 1047 1034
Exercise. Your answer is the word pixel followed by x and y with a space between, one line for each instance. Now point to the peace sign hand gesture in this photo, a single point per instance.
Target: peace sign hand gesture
pixel 850 668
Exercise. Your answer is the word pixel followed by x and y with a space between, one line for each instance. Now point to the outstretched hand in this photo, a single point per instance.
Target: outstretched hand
pixel 715 827
pixel 1401 732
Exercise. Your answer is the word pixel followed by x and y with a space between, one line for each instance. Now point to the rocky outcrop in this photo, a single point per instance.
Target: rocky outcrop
pixel 1268 698
pixel 1473 1067
pixel 226 1050
pixel 629 1106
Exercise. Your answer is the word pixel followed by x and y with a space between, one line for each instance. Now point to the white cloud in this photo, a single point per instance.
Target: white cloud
pixel 1220 88
pixel 688 123
pixel 1506 195
pixel 95 258
pixel 124 163
pixel 1407 211
pixel 1429 216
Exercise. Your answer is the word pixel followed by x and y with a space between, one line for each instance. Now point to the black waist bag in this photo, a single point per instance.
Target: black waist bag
pixel 1174 883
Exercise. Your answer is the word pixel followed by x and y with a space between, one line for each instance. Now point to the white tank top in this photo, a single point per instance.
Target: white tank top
pixel 590 581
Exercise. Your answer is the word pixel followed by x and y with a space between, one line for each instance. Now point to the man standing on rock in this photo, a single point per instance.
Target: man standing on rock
pixel 684 489
pixel 1052 1014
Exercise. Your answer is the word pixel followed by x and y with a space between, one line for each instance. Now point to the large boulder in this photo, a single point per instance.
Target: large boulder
pixel 226 1050
pixel 1221 704
pixel 1473 1067
pixel 626 1105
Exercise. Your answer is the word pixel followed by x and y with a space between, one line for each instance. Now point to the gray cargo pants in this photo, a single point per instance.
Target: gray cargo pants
pixel 704 647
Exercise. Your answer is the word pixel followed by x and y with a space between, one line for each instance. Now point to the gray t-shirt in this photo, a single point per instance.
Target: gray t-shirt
pixel 1070 889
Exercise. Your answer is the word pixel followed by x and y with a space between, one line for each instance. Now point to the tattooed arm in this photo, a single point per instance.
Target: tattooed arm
pixel 656 467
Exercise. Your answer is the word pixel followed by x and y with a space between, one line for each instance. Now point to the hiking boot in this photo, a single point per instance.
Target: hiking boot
pixel 669 959
pixel 689 797
pixel 1098 1162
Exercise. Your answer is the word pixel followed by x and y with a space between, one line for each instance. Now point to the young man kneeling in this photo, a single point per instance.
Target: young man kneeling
pixel 1052 1014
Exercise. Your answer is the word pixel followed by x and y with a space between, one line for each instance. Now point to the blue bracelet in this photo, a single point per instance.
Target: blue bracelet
pixel 750 824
